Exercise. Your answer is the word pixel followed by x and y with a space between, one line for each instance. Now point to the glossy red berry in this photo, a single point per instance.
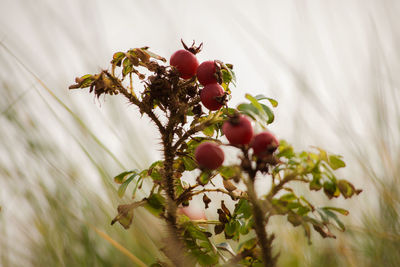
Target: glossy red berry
pixel 238 130
pixel 186 63
pixel 209 96
pixel 206 73
pixel 209 155
pixel 264 143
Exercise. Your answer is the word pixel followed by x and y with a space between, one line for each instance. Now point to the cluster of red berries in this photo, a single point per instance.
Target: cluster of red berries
pixel 238 130
pixel 188 66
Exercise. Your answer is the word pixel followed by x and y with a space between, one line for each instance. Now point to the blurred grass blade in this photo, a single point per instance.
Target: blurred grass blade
pixel 121 248
pixel 76 117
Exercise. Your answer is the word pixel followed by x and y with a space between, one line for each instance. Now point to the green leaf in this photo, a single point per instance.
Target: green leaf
pixel 294 219
pixel 260 97
pixel 255 109
pixel 288 197
pixel 189 163
pixel 228 111
pixel 194 143
pixel 331 190
pixel 226 76
pixel 124 185
pixel 273 102
pixel 307 232
pixel 209 131
pixel 117 58
pixel 303 210
pixel 195 232
pixel 179 187
pixel 341 211
pixel 155 170
pixel 127 67
pixel 285 150
pixel 243 209
pixel 139 54
pixel 228 68
pixel 207 259
pixel 153 55
pixel 155 204
pixel 255 102
pixel 279 207
pixel 249 110
pixel 204 177
pixel 136 187
pixel 232 227
pixel 315 184
pixel 206 245
pixel 86 80
pixel 293 205
pixel 248 244
pixel 229 172
pixel 270 114
pixel 244 227
pixel 333 216
pixel 346 188
pixel 335 162
pixel 125 215
pixel 120 178
pixel 323 155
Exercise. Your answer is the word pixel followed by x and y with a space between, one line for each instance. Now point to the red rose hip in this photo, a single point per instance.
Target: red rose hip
pixel 206 73
pixel 264 143
pixel 186 63
pixel 238 130
pixel 209 95
pixel 209 155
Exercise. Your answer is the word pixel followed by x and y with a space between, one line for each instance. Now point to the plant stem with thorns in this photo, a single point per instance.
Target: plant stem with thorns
pixel 259 214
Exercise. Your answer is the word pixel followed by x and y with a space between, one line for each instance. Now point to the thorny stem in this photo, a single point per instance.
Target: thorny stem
pixel 264 241
pixel 175 246
pixel 169 153
pixel 168 164
pixel 134 100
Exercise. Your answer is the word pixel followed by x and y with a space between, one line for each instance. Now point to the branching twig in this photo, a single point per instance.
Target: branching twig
pixel 218 190
pixel 193 131
pixel 276 188
pixel 134 100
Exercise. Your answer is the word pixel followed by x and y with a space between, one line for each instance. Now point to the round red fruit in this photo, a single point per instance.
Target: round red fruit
pixel 238 130
pixel 206 73
pixel 209 156
pixel 186 63
pixel 264 143
pixel 209 96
